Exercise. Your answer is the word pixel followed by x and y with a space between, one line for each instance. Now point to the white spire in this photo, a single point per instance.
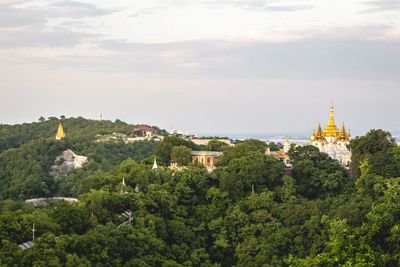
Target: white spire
pixel 33 233
pixel 123 188
pixel 286 147
pixel 155 166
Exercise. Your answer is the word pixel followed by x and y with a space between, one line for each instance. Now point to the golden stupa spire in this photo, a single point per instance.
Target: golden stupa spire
pixel 348 136
pixel 60 132
pixel 342 133
pixel 319 133
pixel 319 130
pixel 331 130
pixel 313 135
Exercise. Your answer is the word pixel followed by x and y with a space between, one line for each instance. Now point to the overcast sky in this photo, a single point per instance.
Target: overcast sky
pixel 203 66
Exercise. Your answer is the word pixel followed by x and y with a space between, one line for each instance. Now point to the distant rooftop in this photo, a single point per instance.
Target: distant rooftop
pixel 144 128
pixel 207 153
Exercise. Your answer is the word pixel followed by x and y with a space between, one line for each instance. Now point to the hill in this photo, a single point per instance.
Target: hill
pixel 245 213
pixel 28 151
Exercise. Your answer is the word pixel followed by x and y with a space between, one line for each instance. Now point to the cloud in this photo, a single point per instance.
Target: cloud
pixel 13 16
pixel 341 53
pixel 257 5
pixel 289 7
pixel 311 59
pixel 73 9
pixel 148 11
pixel 254 5
pixel 29 25
pixel 10 2
pixel 30 37
pixel 383 5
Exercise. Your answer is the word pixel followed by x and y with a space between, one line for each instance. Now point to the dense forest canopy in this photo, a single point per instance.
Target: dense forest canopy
pixel 248 212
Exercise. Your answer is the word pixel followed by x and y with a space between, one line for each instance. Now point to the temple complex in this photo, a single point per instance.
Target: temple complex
pixel 333 141
pixel 60 132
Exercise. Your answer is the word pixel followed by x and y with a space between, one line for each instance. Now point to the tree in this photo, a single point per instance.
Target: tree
pixel 275 146
pixel 241 149
pixel 382 227
pixel 182 155
pixel 316 174
pixel 368 182
pixel 164 148
pixel 288 189
pixel 373 142
pixel 10 254
pixel 253 172
pixel 71 218
pixel 216 145
pixel 346 247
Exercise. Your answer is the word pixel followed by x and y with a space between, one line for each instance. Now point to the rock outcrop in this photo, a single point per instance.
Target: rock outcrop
pixel 67 162
pixel 45 201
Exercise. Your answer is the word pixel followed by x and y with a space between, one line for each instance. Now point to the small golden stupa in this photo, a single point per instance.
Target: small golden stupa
pixel 60 132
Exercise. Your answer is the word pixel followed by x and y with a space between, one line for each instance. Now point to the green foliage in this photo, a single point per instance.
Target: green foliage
pixel 71 218
pixel 252 172
pixel 275 146
pixel 25 170
pixel 216 145
pixel 165 147
pixel 363 147
pixel 245 213
pixel 182 155
pixel 316 174
pixel 376 158
pixel 13 136
pixel 242 149
pixel 288 189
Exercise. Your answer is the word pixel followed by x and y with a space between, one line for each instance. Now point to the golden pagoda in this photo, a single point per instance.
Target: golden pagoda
pixel 60 132
pixel 333 141
pixel 319 136
pixel 342 134
pixel 331 130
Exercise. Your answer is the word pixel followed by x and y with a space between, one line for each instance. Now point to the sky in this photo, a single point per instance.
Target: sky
pixel 203 66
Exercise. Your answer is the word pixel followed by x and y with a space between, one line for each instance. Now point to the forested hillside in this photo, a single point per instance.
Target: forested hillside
pixel 248 212
pixel 28 151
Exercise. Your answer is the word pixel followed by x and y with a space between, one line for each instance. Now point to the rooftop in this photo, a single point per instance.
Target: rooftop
pixel 207 153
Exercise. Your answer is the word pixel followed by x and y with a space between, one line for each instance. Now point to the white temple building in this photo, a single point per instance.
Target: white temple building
pixel 333 141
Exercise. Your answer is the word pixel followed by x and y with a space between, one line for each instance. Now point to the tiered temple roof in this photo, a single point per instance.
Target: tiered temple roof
pixel 331 130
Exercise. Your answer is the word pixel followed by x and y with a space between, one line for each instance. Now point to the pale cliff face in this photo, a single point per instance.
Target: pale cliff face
pixel 67 162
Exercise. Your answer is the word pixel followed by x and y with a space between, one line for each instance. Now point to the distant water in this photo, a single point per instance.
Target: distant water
pixel 263 137
pixel 298 139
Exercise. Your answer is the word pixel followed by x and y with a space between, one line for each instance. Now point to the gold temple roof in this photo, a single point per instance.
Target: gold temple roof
pixel 331 129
